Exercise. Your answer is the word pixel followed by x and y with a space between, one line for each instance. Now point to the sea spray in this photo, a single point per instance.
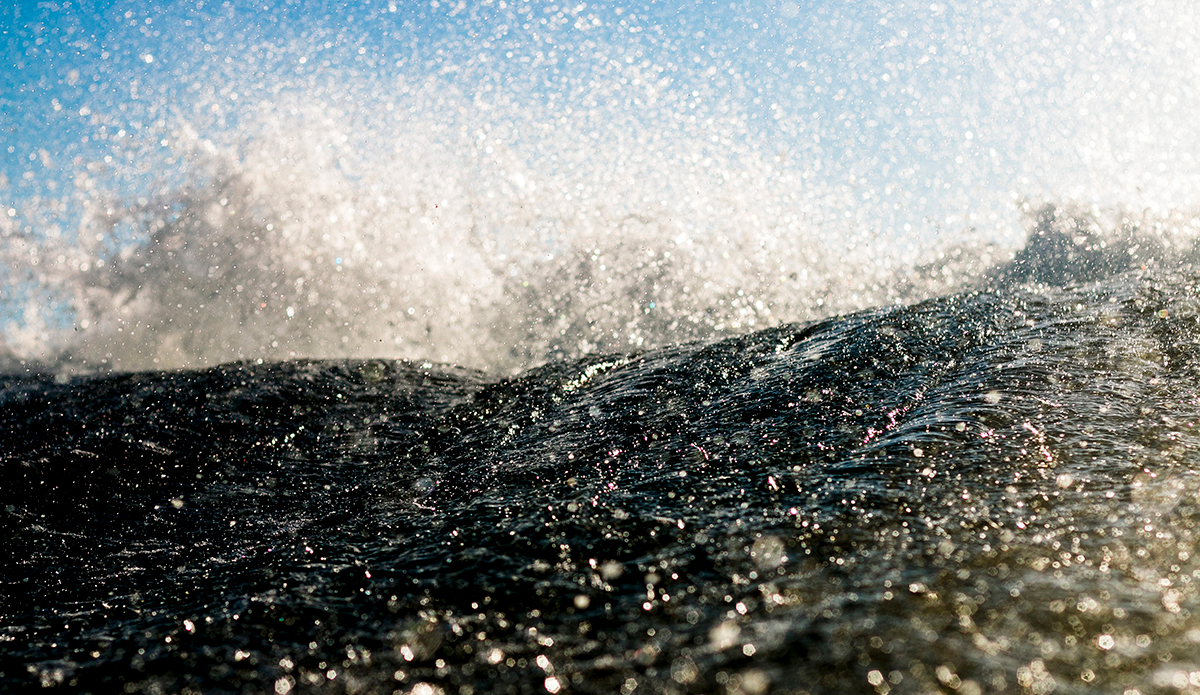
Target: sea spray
pixel 468 163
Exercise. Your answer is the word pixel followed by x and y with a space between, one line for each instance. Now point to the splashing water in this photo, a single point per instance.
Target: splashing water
pixel 505 184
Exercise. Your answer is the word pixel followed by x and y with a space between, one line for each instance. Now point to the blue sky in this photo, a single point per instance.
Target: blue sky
pixel 893 93
pixel 810 79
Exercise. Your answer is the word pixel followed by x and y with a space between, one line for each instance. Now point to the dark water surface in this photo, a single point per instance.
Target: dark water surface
pixel 994 491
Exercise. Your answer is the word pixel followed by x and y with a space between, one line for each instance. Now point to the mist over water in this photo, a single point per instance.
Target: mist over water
pixel 501 185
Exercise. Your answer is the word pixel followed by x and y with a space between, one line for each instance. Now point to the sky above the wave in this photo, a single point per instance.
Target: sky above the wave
pixel 923 110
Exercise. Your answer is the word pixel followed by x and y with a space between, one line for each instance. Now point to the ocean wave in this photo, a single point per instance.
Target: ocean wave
pixel 988 490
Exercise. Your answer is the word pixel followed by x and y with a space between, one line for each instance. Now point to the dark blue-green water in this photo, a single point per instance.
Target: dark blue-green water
pixel 991 491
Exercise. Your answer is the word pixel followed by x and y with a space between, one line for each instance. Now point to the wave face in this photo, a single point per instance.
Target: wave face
pixel 991 491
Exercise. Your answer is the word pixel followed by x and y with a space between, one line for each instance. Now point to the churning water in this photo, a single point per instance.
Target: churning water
pixel 777 372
